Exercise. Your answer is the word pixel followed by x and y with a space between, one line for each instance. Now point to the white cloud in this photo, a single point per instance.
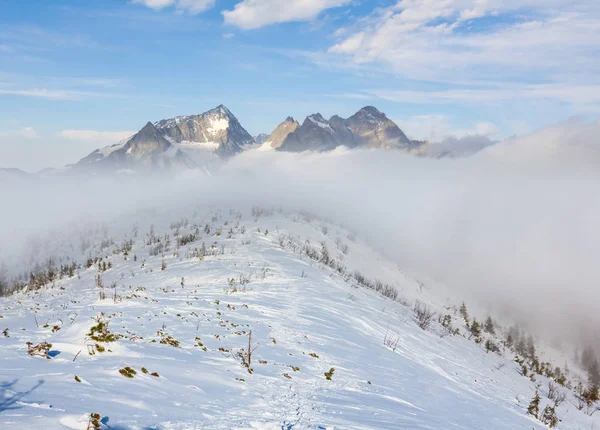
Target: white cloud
pixel 580 94
pixel 107 137
pixel 250 14
pixel 437 128
pixel 191 6
pixel 520 41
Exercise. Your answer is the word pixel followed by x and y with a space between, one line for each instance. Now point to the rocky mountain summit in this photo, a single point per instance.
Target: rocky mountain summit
pixel 218 125
pixel 368 128
pixel 173 143
pixel 203 141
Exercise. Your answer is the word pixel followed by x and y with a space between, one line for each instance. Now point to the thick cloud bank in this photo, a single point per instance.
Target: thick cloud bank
pixel 515 226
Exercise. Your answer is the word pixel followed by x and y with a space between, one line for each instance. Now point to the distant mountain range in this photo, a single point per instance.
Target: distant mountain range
pixel 201 141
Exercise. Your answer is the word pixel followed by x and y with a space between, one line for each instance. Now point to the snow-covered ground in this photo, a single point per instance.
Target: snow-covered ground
pixel 306 320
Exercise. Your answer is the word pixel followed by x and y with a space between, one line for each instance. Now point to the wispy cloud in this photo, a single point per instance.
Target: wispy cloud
pixel 439 127
pixel 56 94
pixel 25 132
pixel 251 14
pixel 545 49
pixel 433 38
pixel 190 6
pixel 107 137
pixel 582 95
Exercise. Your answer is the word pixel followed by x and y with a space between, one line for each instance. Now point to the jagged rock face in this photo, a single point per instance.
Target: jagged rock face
pixel 217 125
pixel 261 138
pixel 315 134
pixel 368 128
pixel 343 133
pixel 282 131
pixel 142 151
pixel 372 129
pixel 145 144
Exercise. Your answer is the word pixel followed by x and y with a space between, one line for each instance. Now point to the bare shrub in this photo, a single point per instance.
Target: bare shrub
pixel 552 390
pixel 559 398
pixel 40 350
pixel 246 355
pixel 423 315
pixel 391 340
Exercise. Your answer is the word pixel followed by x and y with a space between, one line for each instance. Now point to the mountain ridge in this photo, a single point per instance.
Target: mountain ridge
pixel 368 128
pixel 198 140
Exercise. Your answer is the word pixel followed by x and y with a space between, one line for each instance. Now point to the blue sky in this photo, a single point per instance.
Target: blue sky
pixel 76 75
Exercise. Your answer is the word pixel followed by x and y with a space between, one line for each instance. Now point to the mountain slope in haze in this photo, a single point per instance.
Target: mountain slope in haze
pixel 12 173
pixel 368 128
pixel 147 150
pixel 328 352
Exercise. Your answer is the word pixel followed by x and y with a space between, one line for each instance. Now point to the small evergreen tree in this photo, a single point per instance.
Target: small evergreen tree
pixel 549 417
pixel 463 312
pixel 475 329
pixel 587 357
pixel 594 373
pixel 202 252
pixel 530 348
pixel 489 326
pixel 534 407
pixel 325 259
pixel 509 342
pixel 521 348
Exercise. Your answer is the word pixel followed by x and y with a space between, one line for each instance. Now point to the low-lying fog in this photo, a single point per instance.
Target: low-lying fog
pixel 515 226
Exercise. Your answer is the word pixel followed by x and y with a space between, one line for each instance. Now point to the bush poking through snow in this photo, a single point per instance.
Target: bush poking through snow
pixel 94 422
pixel 101 333
pixel 40 350
pixel 128 372
pixel 167 339
pixel 329 375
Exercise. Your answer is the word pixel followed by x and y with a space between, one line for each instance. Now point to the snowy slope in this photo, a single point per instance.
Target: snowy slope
pixel 305 319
